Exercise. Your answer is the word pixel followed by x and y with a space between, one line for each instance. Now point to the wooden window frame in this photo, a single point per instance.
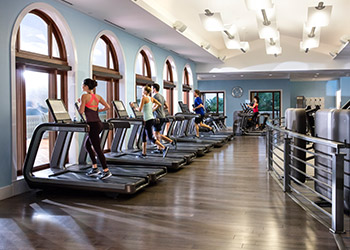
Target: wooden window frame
pixel 251 92
pixel 112 77
pixel 217 100
pixel 146 77
pixel 53 66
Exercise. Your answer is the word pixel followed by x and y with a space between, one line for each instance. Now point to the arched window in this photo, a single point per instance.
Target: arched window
pixel 143 73
pixel 106 72
pixel 168 84
pixel 41 73
pixel 186 87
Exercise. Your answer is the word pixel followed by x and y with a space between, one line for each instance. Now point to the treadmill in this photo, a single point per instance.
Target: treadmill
pixel 118 155
pixel 200 149
pixel 60 174
pixel 226 135
pixel 173 153
pixel 152 173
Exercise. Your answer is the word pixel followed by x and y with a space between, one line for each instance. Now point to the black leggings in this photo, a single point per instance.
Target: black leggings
pixel 94 139
pixel 147 131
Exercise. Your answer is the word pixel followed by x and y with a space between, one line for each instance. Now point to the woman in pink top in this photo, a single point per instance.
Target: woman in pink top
pixel 255 108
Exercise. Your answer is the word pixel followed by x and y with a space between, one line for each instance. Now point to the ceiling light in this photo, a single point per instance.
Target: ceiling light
pixel 258 4
pixel 242 75
pixel 267 32
pixel 345 39
pixel 245 47
pixel 214 75
pixel 211 21
pixel 319 16
pixel 273 48
pixel 179 26
pixel 311 38
pixel 231 38
pixel 270 75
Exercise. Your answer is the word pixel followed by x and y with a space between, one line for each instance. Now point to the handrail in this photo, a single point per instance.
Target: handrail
pixel 329 143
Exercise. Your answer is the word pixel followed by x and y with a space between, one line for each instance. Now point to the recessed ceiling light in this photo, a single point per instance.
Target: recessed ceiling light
pixel 317 73
pixel 242 75
pixel 270 74
pixel 214 75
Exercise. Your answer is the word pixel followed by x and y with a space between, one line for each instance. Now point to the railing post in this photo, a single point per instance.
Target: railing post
pixel 287 162
pixel 269 149
pixel 337 193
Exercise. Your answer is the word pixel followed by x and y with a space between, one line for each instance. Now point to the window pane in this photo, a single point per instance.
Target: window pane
pixel 221 102
pixel 59 86
pixel 111 64
pixel 37 89
pixel 185 97
pixel 102 91
pixel 138 93
pixel 139 60
pixel 33 35
pixel 265 102
pixel 55 50
pixel 168 98
pixel 210 102
pixel 277 103
pixel 100 54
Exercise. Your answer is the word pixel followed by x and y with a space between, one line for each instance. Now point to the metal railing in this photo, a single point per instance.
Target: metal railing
pixel 298 169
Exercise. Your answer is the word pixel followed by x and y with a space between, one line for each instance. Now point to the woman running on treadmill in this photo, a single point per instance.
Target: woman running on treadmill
pixel 89 106
pixel 255 108
pixel 198 107
pixel 146 106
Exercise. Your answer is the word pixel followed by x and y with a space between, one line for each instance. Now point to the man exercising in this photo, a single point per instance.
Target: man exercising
pixel 198 107
pixel 160 114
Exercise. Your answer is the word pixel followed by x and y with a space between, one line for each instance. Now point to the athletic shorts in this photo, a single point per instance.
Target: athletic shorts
pixel 158 126
pixel 198 119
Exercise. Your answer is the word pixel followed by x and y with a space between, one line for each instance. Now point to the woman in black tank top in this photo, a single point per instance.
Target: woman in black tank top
pixel 89 106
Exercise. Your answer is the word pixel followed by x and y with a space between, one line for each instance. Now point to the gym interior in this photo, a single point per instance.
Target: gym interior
pixel 251 150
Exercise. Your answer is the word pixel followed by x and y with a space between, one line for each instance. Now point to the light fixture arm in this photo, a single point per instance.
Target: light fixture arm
pixel 266 20
pixel 320 6
pixel 208 12
pixel 231 37
pixel 312 32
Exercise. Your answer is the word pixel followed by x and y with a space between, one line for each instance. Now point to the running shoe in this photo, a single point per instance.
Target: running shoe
pixel 105 175
pixel 93 172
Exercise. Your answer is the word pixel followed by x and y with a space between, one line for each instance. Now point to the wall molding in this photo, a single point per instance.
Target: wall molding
pixel 17 187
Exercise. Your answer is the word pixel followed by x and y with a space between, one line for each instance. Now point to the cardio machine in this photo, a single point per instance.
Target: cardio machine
pixel 245 122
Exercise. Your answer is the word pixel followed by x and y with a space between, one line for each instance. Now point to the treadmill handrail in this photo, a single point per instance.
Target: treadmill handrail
pixel 36 140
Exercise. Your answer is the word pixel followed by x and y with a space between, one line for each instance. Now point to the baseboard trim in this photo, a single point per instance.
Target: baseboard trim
pixel 17 187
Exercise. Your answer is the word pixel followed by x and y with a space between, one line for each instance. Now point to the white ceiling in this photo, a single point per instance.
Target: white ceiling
pixel 153 19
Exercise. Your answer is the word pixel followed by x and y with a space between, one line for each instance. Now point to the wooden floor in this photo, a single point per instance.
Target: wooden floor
pixel 224 200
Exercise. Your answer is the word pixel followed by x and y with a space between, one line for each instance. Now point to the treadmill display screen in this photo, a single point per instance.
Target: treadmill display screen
pixel 119 105
pixel 59 111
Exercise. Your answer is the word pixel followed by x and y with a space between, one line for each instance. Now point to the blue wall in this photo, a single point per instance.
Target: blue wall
pixel 84 30
pixel 344 83
pixel 326 89
pixel 290 90
pixel 232 104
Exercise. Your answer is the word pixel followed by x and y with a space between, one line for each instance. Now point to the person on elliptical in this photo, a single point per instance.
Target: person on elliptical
pixel 255 108
pixel 89 105
pixel 160 114
pixel 198 107
pixel 146 106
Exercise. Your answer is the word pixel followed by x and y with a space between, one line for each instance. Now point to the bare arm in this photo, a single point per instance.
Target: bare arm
pixel 166 105
pixel 82 104
pixel 104 103
pixel 157 104
pixel 199 106
pixel 141 104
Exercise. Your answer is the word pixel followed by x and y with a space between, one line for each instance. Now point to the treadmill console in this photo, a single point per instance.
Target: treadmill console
pixel 58 111
pixel 120 109
pixel 137 113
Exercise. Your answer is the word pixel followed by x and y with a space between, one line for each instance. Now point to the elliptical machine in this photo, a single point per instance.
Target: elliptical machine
pixel 245 122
